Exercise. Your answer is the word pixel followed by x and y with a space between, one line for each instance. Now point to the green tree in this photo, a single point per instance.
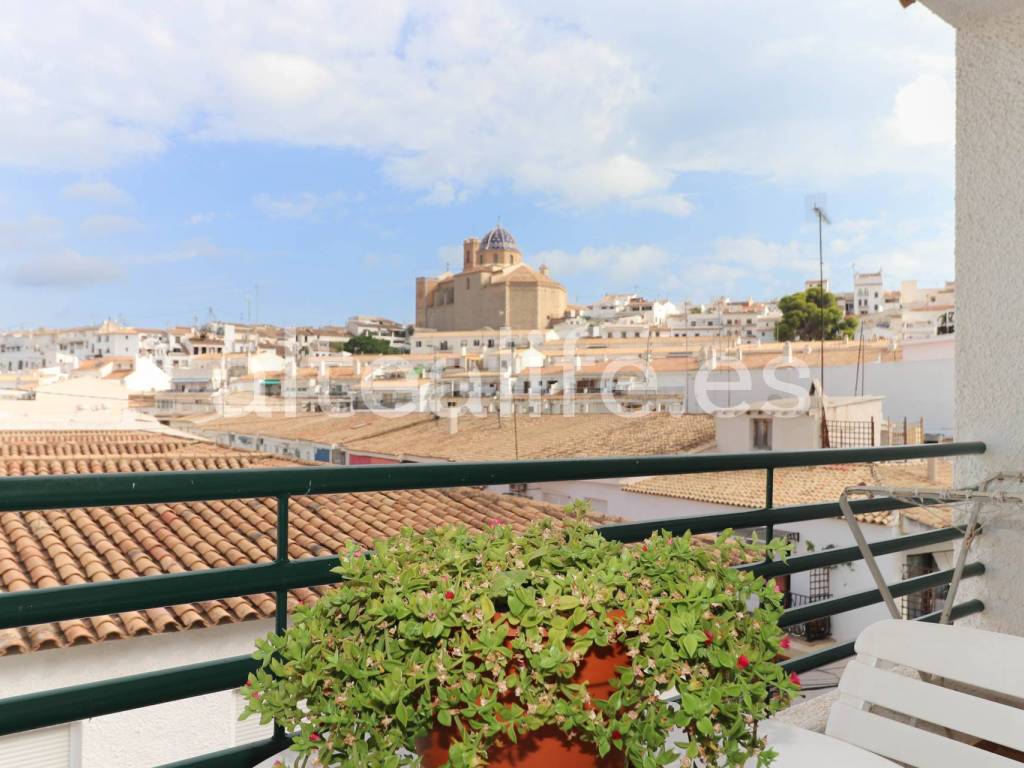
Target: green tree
pixel 802 317
pixel 368 345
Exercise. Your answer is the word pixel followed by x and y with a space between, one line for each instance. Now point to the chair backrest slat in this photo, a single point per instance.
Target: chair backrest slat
pixel 982 661
pixel 988 660
pixel 944 707
pixel 905 743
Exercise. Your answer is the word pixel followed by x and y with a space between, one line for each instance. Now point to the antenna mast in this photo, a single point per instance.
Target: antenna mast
pixel 816 206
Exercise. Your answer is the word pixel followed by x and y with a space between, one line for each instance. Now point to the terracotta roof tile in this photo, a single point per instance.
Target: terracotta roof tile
pixel 40 549
pixel 546 437
pixel 805 485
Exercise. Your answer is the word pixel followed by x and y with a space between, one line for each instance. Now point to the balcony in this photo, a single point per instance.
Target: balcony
pixel 64 705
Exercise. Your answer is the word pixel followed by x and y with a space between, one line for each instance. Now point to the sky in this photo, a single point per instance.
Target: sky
pixel 298 163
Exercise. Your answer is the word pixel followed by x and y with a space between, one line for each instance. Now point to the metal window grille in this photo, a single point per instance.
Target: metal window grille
pixel 850 434
pixel 820 586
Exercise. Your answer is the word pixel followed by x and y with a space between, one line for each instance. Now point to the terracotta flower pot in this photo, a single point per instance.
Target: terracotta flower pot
pixel 549 746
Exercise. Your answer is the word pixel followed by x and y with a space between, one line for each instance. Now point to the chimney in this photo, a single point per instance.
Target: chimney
pixel 933 471
pixel 544 270
pixel 787 352
pixel 453 421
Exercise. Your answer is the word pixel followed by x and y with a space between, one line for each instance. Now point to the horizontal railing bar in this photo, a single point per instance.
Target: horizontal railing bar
pixel 79 702
pixel 751 518
pixel 840 555
pixel 38 606
pixel 74 601
pixel 55 492
pixel 832 606
pixel 244 756
pixel 846 650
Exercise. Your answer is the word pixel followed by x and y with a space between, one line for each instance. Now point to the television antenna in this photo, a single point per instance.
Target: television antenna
pixel 816 209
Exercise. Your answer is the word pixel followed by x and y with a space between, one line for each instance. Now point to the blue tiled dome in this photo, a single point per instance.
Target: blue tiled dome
pixel 499 238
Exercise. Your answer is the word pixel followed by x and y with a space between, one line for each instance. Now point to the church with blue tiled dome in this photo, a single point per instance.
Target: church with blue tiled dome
pixel 495 289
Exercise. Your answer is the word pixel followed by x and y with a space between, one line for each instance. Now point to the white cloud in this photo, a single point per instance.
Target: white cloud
pixel 621 265
pixel 197 219
pixel 65 269
pixel 578 106
pixel 732 261
pixel 189 251
pixel 673 205
pixel 852 234
pixel 924 112
pixel 97 192
pixel 110 224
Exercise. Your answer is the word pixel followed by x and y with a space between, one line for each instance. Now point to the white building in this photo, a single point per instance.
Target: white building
pixel 745 321
pixel 868 293
pixel 794 424
pixel 394 333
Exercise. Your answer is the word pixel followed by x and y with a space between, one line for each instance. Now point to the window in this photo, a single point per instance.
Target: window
pixel 762 434
pixel 57 747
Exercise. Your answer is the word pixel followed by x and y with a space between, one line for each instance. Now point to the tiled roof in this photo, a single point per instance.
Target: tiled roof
pixel 339 428
pixel 72 546
pixel 805 485
pixel 545 437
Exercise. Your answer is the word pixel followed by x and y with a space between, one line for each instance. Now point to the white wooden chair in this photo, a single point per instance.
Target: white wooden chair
pixel 924 723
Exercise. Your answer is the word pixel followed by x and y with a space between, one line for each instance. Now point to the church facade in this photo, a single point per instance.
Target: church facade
pixel 495 289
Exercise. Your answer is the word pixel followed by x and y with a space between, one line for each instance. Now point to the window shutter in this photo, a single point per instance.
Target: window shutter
pixel 246 731
pixel 44 748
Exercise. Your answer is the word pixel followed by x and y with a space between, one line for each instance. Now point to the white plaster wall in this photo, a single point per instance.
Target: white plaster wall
pixel 990 279
pixel 846 579
pixel 154 735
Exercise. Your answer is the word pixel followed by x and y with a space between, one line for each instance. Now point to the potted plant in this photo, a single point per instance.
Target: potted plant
pixel 550 647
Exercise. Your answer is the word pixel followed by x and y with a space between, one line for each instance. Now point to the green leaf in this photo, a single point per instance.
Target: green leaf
pixel 487 607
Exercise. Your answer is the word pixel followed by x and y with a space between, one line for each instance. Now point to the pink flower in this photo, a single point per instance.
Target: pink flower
pixel 616 735
pixel 784 643
pixel 742 662
pixel 315 737
pixel 449 595
pixel 778 587
pixel 708 638
pixel 494 522
pixel 794 678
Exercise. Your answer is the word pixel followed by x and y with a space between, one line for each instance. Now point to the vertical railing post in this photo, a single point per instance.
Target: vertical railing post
pixel 769 502
pixel 281 607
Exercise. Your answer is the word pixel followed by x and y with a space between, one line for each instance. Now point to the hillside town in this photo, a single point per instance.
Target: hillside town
pixel 497 335
pixel 665 478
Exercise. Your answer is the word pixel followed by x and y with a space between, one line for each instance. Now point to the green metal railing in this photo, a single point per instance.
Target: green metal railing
pixel 52 707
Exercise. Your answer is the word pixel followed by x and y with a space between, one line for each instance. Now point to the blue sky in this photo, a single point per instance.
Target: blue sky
pixel 306 163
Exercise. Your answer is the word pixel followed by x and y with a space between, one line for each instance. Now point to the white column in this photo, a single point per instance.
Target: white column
pixel 990 284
